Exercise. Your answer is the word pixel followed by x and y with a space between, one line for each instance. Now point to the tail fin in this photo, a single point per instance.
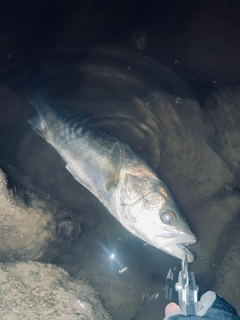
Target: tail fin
pixel 30 86
pixel 38 126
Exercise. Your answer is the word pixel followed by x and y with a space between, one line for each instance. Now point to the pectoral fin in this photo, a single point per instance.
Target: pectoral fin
pixel 112 172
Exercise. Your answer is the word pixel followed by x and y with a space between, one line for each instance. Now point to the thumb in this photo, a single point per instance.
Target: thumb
pixel 172 307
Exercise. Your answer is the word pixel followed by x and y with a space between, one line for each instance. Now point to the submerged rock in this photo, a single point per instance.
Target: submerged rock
pixel 34 291
pixel 32 226
pixel 226 264
pixel 222 117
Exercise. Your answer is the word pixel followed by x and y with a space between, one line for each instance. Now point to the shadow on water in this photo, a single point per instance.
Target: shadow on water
pixel 155 112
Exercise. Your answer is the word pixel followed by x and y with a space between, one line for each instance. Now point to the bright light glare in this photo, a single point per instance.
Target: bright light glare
pixel 112 256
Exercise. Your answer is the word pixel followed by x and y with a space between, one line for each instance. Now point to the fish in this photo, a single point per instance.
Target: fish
pixel 116 175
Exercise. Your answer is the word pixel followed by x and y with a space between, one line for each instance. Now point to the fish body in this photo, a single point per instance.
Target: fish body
pixel 122 180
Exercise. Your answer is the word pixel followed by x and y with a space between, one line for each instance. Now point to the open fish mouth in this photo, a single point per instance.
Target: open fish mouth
pixel 179 250
pixel 178 247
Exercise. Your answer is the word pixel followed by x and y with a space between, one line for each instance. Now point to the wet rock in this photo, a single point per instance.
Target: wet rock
pixel 32 226
pixel 227 265
pixel 189 166
pixel 214 242
pixel 42 291
pixel 222 123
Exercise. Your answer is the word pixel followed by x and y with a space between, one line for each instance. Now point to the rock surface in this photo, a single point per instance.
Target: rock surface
pixel 42 291
pixel 32 227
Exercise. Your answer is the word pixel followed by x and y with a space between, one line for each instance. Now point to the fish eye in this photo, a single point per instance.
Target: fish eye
pixel 167 216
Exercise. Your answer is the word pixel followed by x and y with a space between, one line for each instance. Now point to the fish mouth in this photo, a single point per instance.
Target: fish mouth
pixel 179 251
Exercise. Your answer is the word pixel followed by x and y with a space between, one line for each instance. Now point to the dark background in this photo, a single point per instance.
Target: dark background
pixel 204 35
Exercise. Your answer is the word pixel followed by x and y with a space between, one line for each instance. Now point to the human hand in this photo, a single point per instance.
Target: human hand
pixel 211 307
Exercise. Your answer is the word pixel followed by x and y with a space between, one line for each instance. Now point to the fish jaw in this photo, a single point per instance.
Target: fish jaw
pixel 179 249
pixel 172 243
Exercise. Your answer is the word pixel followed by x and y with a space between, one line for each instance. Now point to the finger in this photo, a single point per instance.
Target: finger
pixel 206 302
pixel 172 307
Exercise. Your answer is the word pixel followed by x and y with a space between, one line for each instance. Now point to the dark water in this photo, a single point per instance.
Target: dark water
pixel 141 102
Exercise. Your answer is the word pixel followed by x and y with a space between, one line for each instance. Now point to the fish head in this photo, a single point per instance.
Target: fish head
pixel 150 212
pixel 171 232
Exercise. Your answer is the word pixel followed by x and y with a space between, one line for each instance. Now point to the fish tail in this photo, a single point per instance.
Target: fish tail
pixel 38 125
pixel 42 103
